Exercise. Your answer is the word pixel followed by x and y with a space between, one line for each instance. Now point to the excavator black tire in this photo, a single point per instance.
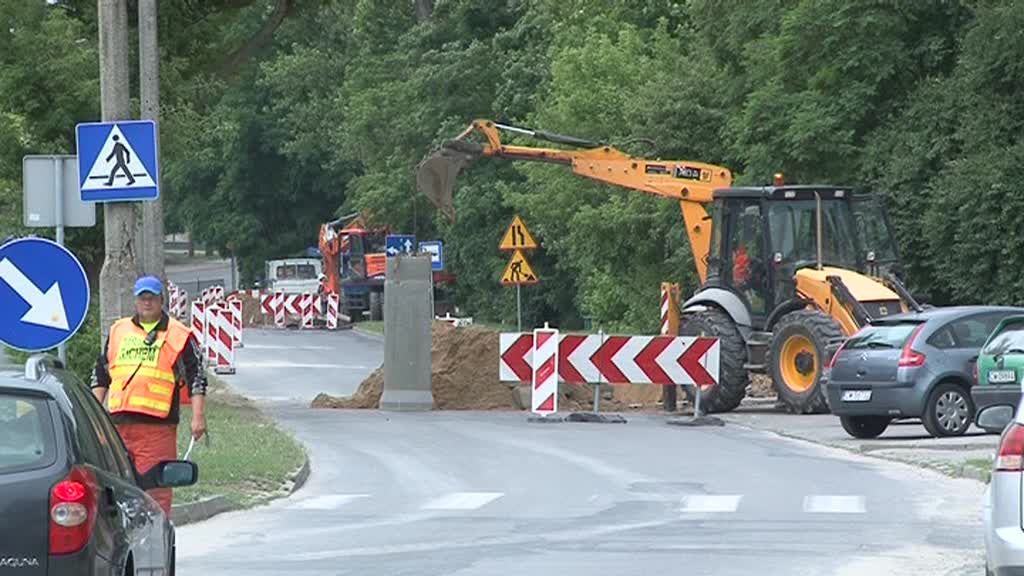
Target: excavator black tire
pixel 733 378
pixel 797 359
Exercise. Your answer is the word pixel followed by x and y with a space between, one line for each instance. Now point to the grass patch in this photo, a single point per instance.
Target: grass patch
pixel 983 465
pixel 247 457
pixel 375 326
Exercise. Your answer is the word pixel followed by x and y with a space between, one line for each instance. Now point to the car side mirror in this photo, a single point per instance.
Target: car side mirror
pixel 995 418
pixel 170 474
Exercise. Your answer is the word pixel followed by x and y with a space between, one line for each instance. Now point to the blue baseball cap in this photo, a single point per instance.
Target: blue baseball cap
pixel 150 284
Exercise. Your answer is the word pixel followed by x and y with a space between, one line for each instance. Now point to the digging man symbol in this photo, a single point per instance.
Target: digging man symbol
pixel 123 158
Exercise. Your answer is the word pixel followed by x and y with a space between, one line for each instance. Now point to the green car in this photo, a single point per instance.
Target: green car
pixel 1000 368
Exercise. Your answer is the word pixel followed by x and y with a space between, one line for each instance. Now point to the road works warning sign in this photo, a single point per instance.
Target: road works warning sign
pixel 518 271
pixel 517 237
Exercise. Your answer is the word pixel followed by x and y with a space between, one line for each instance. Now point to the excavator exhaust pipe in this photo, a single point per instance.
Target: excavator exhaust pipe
pixel 437 173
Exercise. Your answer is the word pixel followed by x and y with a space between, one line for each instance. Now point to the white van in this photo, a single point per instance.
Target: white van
pixel 294 275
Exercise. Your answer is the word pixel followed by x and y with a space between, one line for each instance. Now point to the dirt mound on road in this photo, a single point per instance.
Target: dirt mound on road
pixel 760 386
pixel 464 373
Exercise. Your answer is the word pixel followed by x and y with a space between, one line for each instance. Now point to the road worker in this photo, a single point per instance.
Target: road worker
pixel 147 360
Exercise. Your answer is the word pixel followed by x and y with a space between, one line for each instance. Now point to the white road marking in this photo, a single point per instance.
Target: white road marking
pixel 247 364
pixel 327 501
pixel 823 504
pixel 284 347
pixel 463 501
pixel 701 503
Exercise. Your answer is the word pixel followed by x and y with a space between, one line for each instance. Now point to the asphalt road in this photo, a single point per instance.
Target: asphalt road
pixel 448 493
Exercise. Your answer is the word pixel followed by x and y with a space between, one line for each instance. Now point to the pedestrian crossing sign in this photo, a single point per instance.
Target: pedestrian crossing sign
pixel 117 161
pixel 518 271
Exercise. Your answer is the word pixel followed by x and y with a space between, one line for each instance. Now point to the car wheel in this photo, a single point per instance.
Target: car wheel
pixel 865 426
pixel 949 411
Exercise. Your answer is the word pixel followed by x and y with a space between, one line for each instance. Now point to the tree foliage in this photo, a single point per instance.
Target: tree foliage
pixel 332 111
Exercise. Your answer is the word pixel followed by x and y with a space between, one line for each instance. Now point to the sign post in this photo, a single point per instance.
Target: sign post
pixel 518 270
pixel 50 198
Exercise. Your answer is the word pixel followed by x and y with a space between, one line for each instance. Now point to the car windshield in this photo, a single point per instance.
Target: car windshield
pixel 26 436
pixel 794 232
pixel 1010 339
pixel 881 336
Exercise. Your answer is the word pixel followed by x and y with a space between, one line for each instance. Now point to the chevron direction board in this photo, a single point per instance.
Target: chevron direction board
pixel 584 358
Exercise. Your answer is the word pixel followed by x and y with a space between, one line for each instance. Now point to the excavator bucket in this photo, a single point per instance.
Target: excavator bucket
pixel 436 174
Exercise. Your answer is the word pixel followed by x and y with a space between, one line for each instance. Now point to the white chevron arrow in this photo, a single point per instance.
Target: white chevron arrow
pixel 45 308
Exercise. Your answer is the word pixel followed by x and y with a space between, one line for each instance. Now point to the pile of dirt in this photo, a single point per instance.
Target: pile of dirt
pixel 366 396
pixel 760 386
pixel 252 311
pixel 464 373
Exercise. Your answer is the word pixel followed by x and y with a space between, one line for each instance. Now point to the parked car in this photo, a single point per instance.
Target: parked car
pixel 1000 367
pixel 1003 506
pixel 71 501
pixel 912 365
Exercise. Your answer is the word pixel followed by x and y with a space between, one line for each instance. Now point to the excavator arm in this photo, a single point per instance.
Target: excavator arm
pixel 690 183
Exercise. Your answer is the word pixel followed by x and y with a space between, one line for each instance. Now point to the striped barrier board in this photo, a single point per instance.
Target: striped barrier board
pixel 687 360
pixel 544 393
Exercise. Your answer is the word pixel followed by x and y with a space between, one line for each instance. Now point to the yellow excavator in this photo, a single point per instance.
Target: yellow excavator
pixel 786 271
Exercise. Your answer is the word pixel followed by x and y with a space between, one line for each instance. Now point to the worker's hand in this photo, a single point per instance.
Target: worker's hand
pixel 198 425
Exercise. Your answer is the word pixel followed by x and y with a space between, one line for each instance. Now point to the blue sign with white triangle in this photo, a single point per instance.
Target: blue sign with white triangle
pixel 117 161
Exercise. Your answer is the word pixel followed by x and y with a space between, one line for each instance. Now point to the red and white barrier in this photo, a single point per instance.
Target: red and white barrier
pixel 199 324
pixel 212 324
pixel 333 311
pixel 544 397
pixel 684 360
pixel 666 295
pixel 279 310
pixel 235 313
pixel 268 303
pixel 307 303
pixel 218 293
pixel 293 304
pixel 222 344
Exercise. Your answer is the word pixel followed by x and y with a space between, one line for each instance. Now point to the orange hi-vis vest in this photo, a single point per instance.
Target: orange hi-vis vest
pixel 151 390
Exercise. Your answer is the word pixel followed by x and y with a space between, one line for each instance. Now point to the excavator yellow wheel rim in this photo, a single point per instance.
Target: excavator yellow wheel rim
pixel 799 363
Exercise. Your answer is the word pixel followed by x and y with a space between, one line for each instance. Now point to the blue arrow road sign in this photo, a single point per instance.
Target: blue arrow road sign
pixel 395 244
pixel 117 161
pixel 44 294
pixel 436 251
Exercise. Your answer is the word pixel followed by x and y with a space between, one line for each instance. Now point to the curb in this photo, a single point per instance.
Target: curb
pixel 961 470
pixel 206 508
pixel 368 334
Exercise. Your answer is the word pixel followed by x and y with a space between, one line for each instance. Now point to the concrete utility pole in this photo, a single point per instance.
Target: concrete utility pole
pixel 152 238
pixel 119 265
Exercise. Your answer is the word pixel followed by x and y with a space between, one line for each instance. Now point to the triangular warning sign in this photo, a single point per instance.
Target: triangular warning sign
pixel 517 237
pixel 518 271
pixel 117 166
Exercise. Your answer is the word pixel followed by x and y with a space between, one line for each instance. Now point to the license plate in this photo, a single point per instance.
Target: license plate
pixel 856 395
pixel 1002 376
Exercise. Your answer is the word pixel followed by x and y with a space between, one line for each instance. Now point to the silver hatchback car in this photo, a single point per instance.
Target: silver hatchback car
pixel 1004 530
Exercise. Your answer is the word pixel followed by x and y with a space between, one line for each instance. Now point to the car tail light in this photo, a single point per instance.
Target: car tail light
pixel 1011 450
pixel 73 508
pixel 832 360
pixel 910 357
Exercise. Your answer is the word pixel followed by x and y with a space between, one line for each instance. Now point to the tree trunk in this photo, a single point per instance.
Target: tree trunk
pixel 232 62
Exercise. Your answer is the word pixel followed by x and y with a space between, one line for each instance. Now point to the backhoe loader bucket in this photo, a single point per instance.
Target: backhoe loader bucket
pixel 436 174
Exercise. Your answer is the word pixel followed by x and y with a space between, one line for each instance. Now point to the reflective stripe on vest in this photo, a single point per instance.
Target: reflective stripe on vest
pixel 151 390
